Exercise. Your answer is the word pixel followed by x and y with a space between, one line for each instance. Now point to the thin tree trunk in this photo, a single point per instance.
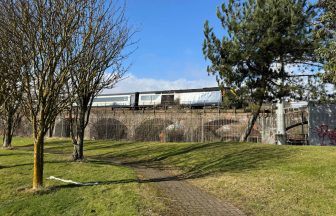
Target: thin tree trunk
pixel 8 133
pixel 251 122
pixel 8 140
pixel 38 161
pixel 75 153
pixel 78 153
pixel 81 145
pixel 73 125
pixel 51 130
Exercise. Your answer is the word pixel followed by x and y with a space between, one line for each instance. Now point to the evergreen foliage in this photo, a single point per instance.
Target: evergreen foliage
pixel 260 38
pixel 326 34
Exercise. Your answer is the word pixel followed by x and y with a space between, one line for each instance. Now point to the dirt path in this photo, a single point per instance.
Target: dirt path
pixel 186 199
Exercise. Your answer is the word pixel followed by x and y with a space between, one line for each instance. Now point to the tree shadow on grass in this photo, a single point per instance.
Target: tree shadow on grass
pixel 244 160
pixel 232 160
pixel 99 146
pixel 67 148
pixel 13 153
pixel 51 142
pixel 239 160
pixel 29 164
pixel 130 157
pixel 27 147
pixel 48 144
pixel 195 160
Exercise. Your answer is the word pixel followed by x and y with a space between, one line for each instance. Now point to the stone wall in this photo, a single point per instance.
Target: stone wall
pixel 177 125
pixel 166 125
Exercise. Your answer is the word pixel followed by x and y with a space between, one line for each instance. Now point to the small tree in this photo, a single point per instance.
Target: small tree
pixel 11 112
pixel 12 64
pixel 258 35
pixel 46 29
pixel 99 48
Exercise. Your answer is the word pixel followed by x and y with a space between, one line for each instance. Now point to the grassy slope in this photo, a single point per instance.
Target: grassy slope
pixel 260 179
pixel 119 195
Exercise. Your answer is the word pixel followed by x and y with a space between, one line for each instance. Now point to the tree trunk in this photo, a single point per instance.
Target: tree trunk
pixel 38 161
pixel 51 130
pixel 75 154
pixel 8 133
pixel 251 122
pixel 79 146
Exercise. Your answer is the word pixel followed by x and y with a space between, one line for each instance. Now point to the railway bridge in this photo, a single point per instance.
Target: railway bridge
pixel 181 125
pixel 168 125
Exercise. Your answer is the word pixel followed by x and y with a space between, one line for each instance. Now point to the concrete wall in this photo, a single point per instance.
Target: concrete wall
pixel 267 122
pixel 322 124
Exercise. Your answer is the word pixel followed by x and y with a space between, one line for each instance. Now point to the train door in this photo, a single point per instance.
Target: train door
pixel 135 100
pixel 167 100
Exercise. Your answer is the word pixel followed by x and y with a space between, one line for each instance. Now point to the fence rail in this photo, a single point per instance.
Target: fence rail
pixel 179 126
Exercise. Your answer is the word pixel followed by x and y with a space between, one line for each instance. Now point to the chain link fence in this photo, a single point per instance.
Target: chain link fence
pixel 164 126
pixel 179 126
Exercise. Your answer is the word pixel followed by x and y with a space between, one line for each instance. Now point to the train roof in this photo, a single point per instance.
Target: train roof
pixel 168 91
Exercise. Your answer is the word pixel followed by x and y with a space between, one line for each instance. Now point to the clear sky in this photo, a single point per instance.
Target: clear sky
pixel 169 54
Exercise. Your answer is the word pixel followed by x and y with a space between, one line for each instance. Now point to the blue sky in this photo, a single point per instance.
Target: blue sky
pixel 169 54
pixel 170 34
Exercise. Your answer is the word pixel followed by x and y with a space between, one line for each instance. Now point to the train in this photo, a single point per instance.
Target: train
pixel 200 97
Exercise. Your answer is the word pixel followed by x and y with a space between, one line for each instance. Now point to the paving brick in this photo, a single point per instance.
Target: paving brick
pixel 186 199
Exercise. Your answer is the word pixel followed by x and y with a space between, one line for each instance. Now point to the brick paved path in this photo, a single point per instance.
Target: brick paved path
pixel 186 199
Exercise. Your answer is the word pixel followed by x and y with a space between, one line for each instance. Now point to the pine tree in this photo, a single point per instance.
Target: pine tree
pixel 260 38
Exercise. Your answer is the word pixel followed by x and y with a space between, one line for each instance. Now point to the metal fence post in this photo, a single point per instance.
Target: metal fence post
pixel 165 126
pixel 105 127
pixel 62 128
pixel 106 119
pixel 202 138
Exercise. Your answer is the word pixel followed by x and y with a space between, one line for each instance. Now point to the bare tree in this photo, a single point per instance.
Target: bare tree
pixel 47 28
pixel 11 112
pixel 3 58
pixel 12 64
pixel 99 47
pixel 67 46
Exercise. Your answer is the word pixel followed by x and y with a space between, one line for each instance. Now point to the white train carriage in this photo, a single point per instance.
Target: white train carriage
pixel 112 101
pixel 205 98
pixel 149 99
pixel 185 97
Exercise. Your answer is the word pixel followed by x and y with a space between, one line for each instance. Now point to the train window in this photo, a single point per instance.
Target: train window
pixel 149 97
pixel 119 98
pixel 146 97
pixel 155 97
pixel 111 99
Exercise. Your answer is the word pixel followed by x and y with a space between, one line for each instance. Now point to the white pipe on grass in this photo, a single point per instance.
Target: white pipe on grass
pixel 71 182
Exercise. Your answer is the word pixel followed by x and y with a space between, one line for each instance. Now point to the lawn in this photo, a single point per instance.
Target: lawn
pixel 119 193
pixel 259 179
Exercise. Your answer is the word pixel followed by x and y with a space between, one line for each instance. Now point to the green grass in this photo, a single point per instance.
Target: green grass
pixel 119 194
pixel 259 179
